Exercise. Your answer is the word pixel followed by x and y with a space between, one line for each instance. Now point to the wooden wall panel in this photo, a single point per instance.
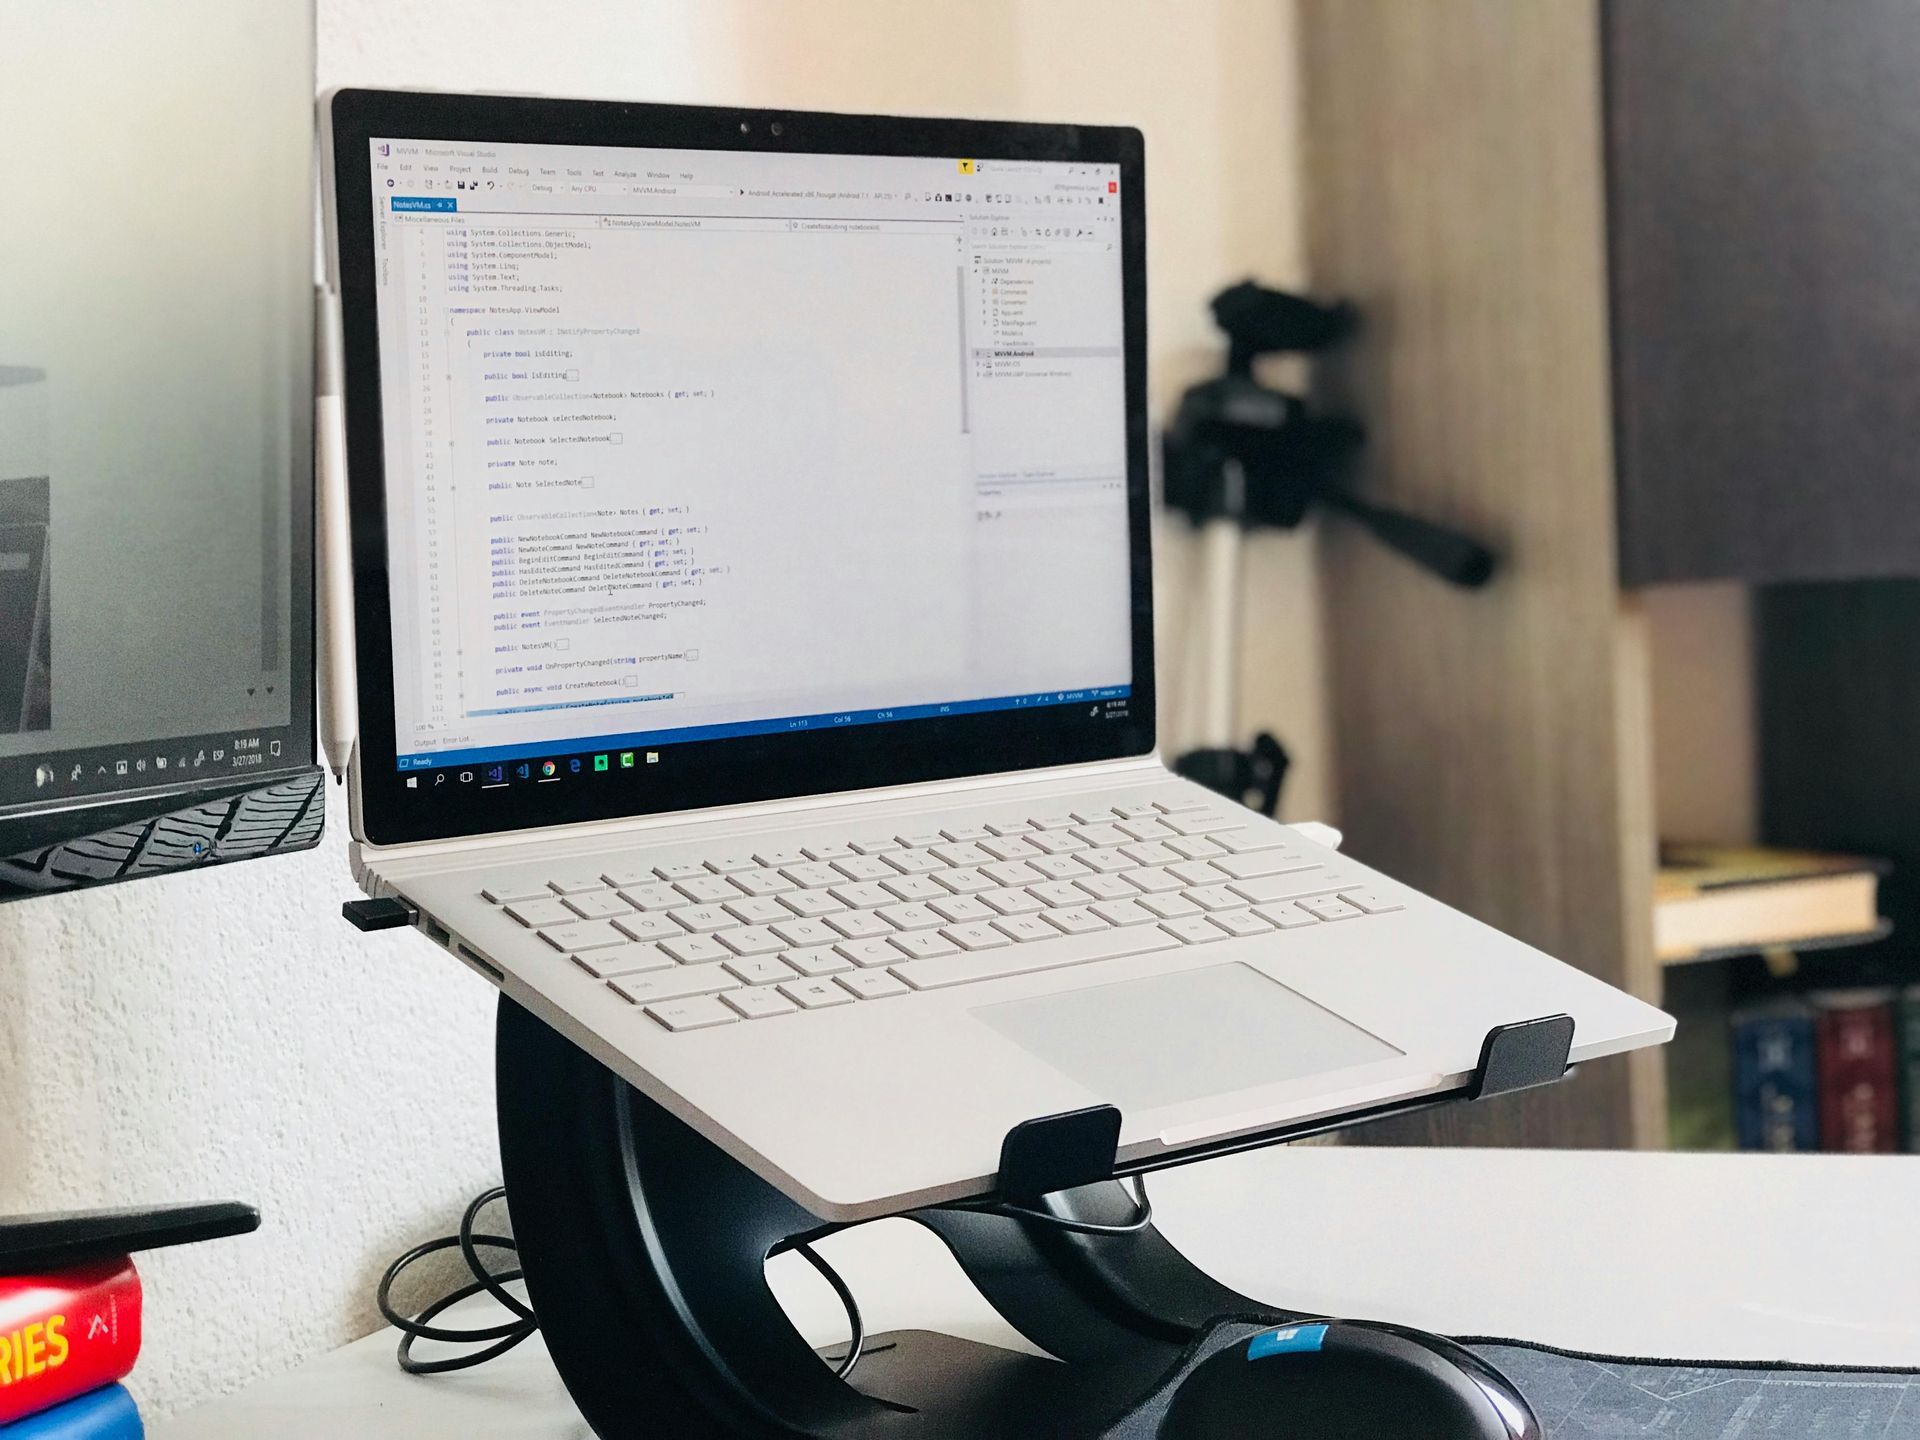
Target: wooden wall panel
pixel 1491 746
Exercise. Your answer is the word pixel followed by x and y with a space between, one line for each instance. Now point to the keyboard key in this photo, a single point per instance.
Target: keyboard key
pixel 868 953
pixel 1150 852
pixel 1330 907
pixel 975 936
pixel 814 875
pixel 1239 842
pixel 727 864
pixel 1215 897
pixel 1106 887
pixel 1058 842
pixel 1059 820
pixel 1199 872
pixel 654 895
pixel 962 854
pixel 1010 902
pixel 623 960
pixel 582 935
pixel 873 984
pixel 1153 881
pixel 1013 847
pixel 1264 889
pixel 1194 847
pixel 1193 929
pixel 817 960
pixel 860 924
pixel 1010 827
pixel 697 1014
pixel 826 850
pixel 761 969
pixel 707 889
pixel 914 887
pixel 1144 829
pixel 924 944
pixel 1110 862
pixel 1058 867
pixel 860 867
pixel 774 859
pixel 1240 922
pixel 535 913
pixel 598 906
pixel 1101 836
pixel 1075 920
pixel 1058 892
pixel 960 908
pixel 1285 916
pixel 673 984
pixel 912 917
pixel 573 884
pixel 812 902
pixel 804 932
pixel 751 940
pixel 759 1003
pixel 1122 912
pixel 925 840
pixel 874 844
pixel 764 881
pixel 623 877
pixel 695 949
pixel 1371 901
pixel 1264 862
pixel 1201 824
pixel 1168 907
pixel 758 910
pixel 1011 872
pixel 959 833
pixel 1020 928
pixel 913 862
pixel 704 918
pixel 1096 816
pixel 506 892
pixel 865 896
pixel 1184 805
pixel 964 881
pixel 693 870
pixel 649 927
pixel 1137 812
pixel 815 994
pixel 1040 955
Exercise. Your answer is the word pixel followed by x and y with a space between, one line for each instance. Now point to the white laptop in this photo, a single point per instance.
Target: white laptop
pixel 751 571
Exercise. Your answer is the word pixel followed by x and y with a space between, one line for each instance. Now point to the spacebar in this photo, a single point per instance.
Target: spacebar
pixel 1035 955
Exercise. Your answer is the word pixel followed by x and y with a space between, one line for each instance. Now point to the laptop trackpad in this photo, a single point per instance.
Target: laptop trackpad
pixel 1141 1044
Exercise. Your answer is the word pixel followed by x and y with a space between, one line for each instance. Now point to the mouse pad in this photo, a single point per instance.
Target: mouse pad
pixel 1582 1397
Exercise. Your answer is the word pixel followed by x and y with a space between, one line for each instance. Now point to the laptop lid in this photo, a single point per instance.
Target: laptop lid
pixel 701 456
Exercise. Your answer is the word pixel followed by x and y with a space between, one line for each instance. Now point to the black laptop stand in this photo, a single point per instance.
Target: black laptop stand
pixel 645 1248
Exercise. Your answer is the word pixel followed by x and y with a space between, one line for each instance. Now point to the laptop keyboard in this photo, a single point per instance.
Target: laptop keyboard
pixel 756 932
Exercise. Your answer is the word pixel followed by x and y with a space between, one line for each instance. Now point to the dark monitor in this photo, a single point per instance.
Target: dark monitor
pixel 156 535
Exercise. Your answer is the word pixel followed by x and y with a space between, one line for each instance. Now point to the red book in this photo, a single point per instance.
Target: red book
pixel 1858 1063
pixel 64 1334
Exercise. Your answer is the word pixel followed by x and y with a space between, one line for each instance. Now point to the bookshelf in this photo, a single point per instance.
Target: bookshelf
pixel 1634 284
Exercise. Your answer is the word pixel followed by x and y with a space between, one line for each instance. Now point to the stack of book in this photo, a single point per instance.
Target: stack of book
pixel 1824 1072
pixel 66 1340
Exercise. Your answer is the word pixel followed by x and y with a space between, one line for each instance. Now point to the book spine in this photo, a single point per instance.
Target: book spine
pixel 1774 1082
pixel 64 1334
pixel 1859 1080
pixel 106 1414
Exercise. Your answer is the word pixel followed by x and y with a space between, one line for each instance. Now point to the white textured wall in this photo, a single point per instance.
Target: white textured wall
pixel 225 1034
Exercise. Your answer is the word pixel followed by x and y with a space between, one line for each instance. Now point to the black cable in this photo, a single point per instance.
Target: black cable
pixel 1142 1217
pixel 499 1339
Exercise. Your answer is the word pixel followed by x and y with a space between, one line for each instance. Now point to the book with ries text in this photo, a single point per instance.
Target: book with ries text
pixel 105 1414
pixel 64 1334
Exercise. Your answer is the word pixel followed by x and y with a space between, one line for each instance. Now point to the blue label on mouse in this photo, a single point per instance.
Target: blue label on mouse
pixel 1287 1340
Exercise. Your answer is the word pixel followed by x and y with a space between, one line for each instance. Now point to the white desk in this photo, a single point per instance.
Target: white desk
pixel 1808 1258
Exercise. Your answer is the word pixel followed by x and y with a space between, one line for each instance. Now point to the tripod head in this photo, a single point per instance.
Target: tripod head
pixel 1244 451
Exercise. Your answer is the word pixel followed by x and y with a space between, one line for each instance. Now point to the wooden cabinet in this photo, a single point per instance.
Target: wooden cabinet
pixel 1634 279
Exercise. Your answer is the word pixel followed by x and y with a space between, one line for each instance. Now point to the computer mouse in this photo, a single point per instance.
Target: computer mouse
pixel 1348 1380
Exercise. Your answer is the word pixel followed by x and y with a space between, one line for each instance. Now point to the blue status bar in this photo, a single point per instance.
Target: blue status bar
pixel 438 205
pixel 833 720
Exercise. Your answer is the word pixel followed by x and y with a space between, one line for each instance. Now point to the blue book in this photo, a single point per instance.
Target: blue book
pixel 1775 1086
pixel 106 1414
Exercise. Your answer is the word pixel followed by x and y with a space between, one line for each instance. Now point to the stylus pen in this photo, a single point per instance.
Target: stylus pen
pixel 333 569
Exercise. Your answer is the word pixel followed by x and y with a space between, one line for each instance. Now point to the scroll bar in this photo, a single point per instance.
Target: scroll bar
pixel 960 290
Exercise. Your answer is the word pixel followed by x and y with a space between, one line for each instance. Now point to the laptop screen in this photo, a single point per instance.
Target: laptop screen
pixel 683 445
